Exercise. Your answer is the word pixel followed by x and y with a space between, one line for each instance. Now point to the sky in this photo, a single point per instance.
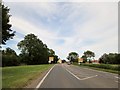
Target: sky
pixel 66 26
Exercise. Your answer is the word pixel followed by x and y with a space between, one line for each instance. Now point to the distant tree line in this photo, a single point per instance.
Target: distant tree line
pixel 88 56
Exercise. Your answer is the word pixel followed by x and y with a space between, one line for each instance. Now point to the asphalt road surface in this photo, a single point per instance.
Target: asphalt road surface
pixel 70 76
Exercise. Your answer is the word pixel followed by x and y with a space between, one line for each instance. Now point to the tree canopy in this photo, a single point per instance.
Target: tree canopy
pixel 73 57
pixel 87 55
pixel 6 31
pixel 33 50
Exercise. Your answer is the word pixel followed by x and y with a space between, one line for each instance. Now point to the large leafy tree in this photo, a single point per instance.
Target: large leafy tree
pixel 33 50
pixel 73 57
pixel 6 31
pixel 89 54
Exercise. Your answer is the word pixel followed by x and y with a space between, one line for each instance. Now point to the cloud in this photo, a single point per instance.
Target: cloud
pixel 61 0
pixel 67 26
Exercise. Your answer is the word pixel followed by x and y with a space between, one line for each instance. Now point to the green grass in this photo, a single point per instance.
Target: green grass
pixel 0 78
pixel 112 68
pixel 20 76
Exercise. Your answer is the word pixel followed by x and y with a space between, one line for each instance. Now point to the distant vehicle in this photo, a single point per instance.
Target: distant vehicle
pixel 69 63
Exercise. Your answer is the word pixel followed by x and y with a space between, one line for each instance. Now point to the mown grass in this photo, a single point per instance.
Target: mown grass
pixel 20 76
pixel 112 68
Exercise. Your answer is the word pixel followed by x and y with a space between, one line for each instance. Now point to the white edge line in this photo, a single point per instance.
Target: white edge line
pixel 44 78
pixel 82 78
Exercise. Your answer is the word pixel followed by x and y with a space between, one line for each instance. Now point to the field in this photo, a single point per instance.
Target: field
pixel 20 76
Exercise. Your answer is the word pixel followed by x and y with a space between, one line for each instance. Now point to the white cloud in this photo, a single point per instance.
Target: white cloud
pixel 101 27
pixel 61 0
pixel 26 27
pixel 91 26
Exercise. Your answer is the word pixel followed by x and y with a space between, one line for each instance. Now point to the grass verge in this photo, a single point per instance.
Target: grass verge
pixel 102 67
pixel 20 76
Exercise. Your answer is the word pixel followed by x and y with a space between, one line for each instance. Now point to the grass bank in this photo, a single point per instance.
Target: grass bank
pixel 20 76
pixel 112 68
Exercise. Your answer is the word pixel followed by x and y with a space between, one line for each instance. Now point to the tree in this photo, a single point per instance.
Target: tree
pixel 9 57
pixel 33 50
pixel 103 58
pixel 111 58
pixel 89 54
pixel 73 57
pixel 7 33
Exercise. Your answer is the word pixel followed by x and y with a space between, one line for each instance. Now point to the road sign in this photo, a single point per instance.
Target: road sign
pixel 51 59
pixel 80 60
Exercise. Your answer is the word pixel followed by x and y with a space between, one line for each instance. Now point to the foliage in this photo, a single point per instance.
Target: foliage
pixel 88 55
pixel 33 51
pixel 73 57
pixel 9 58
pixel 111 58
pixel 7 33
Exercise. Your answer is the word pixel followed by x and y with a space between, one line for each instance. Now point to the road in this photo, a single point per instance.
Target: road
pixel 70 76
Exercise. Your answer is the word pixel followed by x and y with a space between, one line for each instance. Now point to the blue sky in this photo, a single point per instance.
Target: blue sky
pixel 67 26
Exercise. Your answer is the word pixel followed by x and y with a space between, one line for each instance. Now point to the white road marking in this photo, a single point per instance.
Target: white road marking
pixel 117 81
pixel 89 77
pixel 81 78
pixel 117 77
pixel 44 78
pixel 73 74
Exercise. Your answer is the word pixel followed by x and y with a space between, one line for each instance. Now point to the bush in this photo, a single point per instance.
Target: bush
pixel 10 60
